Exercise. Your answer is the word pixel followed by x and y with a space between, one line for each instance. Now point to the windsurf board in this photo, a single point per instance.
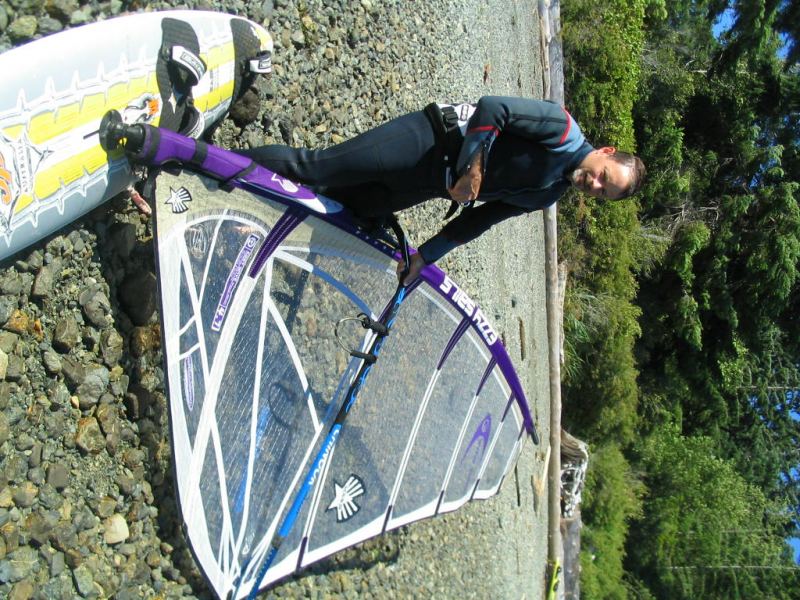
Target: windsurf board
pixel 179 69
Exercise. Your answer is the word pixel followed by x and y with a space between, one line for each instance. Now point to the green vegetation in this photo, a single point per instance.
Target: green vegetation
pixel 683 346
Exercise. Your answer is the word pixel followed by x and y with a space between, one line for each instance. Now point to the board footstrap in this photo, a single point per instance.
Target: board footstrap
pixel 190 62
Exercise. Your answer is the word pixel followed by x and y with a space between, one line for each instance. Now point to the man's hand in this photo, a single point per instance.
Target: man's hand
pixel 414 268
pixel 468 186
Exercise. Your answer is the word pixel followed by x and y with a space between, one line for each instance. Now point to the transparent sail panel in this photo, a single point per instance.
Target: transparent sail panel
pixel 449 407
pixel 477 443
pixel 261 308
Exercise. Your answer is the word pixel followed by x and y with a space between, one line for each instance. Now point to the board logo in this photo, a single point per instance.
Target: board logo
pixel 6 182
pixel 142 110
pixel 19 161
pixel 344 498
pixel 177 200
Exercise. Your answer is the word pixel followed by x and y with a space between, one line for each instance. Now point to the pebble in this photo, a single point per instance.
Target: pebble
pixel 89 508
pixel 49 497
pixel 138 296
pixel 61 9
pixel 7 305
pixel 22 590
pixel 84 582
pixel 58 476
pixel 44 281
pixel 88 437
pixel 94 384
pixel 3 365
pixel 96 307
pixel 39 525
pixel 19 564
pixel 18 322
pixel 66 334
pixel 22 29
pixel 8 341
pixel 5 430
pixel 115 529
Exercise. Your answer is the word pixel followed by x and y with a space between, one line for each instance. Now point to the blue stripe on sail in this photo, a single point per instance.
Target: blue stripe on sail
pixel 261 428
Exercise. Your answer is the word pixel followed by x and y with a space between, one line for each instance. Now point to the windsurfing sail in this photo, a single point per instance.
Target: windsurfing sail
pixel 256 276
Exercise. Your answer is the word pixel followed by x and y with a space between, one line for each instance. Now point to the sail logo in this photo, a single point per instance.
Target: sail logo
pixel 233 280
pixel 197 242
pixel 476 449
pixel 460 298
pixel 188 382
pixel 344 498
pixel 480 439
pixel 177 200
pixel 288 186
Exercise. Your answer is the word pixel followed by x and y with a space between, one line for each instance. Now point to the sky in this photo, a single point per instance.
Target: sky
pixel 724 22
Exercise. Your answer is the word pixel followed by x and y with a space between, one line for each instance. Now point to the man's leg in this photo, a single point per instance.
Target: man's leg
pixel 398 156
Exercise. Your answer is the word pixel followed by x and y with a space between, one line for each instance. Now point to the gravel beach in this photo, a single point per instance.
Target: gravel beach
pixel 87 505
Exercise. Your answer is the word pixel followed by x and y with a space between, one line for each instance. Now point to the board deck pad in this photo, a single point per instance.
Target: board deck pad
pixel 180 70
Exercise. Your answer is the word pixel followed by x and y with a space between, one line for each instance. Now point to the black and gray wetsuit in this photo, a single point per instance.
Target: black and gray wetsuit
pixel 530 147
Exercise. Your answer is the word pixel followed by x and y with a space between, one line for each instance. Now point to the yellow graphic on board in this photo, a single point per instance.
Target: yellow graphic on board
pixel 49 148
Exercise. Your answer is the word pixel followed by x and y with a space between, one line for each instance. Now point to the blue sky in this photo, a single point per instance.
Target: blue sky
pixel 724 22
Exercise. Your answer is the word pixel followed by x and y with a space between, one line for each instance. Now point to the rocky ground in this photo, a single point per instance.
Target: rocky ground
pixel 86 499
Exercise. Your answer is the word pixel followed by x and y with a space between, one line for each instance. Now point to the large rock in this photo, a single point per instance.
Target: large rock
pixel 137 295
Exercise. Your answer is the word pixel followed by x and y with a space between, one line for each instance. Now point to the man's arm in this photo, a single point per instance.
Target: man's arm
pixel 468 186
pixel 540 121
pixel 466 227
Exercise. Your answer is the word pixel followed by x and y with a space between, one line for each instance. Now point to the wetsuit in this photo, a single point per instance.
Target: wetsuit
pixel 529 148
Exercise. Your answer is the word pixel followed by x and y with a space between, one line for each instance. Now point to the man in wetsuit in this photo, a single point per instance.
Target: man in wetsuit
pixel 514 155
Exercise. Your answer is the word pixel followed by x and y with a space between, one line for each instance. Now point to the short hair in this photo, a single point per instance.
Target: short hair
pixel 638 171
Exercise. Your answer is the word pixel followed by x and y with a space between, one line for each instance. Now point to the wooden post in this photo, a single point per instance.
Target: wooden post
pixel 552 64
pixel 555 545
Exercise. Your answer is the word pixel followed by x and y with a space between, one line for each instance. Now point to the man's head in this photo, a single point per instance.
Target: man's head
pixel 609 173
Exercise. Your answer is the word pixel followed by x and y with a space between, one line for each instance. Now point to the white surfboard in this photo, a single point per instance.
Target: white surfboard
pixel 176 69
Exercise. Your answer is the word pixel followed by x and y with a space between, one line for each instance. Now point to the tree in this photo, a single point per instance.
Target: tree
pixel 706 532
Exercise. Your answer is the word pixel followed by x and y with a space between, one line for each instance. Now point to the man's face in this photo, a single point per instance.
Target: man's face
pixel 601 176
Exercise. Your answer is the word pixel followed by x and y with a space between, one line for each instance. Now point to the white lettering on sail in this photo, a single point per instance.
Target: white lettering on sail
pixel 475 314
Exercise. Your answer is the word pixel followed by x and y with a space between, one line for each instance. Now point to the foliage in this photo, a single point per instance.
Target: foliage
pixel 706 533
pixel 601 48
pixel 680 315
pixel 612 499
